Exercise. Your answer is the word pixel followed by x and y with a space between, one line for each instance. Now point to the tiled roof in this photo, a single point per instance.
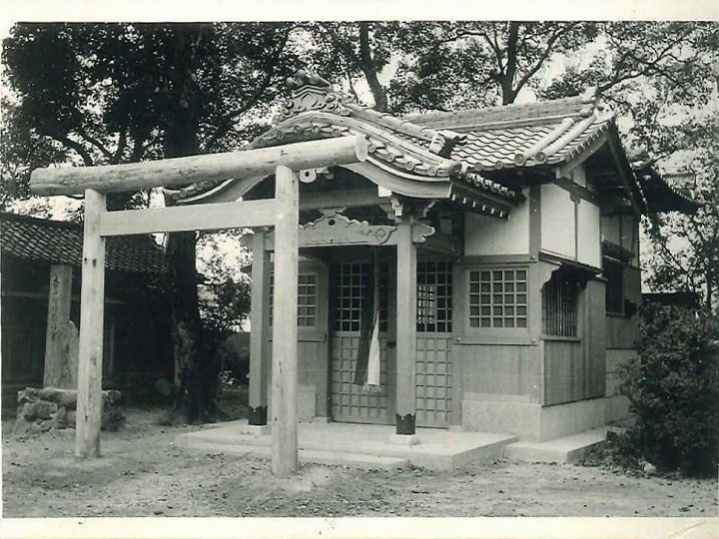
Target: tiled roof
pixel 660 196
pixel 523 135
pixel 59 242
pixel 461 147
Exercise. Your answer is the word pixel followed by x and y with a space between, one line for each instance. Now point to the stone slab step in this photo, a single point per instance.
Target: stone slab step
pixel 566 450
pixel 328 458
pixel 354 460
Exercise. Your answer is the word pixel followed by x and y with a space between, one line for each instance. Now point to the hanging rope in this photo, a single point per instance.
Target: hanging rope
pixel 369 323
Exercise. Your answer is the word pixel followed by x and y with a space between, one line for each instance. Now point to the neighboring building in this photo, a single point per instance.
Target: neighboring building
pixel 37 256
pixel 520 228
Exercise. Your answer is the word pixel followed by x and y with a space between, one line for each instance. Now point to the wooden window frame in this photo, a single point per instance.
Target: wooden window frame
pixel 430 302
pixel 300 317
pixel 555 326
pixel 519 310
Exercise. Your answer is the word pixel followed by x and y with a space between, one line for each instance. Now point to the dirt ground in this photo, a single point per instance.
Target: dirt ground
pixel 143 473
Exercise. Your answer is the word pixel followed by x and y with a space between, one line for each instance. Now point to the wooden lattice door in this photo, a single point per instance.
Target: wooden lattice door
pixel 351 402
pixel 433 367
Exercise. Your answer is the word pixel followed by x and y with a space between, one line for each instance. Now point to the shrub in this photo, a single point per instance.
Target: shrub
pixel 673 388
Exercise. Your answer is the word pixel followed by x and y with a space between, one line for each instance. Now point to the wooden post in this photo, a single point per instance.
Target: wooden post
pixel 60 365
pixel 89 387
pixel 259 330
pixel 406 328
pixel 284 325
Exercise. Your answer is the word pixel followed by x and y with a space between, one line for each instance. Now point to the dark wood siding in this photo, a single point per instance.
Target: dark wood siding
pixel 575 369
pixel 497 368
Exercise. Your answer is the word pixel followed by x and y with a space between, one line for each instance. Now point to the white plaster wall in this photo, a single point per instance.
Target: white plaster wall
pixel 589 235
pixel 558 227
pixel 492 236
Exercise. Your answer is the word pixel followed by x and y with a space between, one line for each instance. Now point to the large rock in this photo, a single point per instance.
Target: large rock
pixel 28 411
pixel 60 418
pixel 45 409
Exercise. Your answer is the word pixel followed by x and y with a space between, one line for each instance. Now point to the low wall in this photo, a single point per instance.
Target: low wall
pixel 41 410
pixel 530 421
pixel 571 418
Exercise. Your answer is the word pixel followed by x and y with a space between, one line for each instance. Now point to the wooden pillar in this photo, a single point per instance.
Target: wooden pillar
pixel 60 364
pixel 284 324
pixel 406 328
pixel 89 386
pixel 260 326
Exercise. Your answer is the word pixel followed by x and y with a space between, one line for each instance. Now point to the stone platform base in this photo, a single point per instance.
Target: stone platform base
pixel 41 410
pixel 358 445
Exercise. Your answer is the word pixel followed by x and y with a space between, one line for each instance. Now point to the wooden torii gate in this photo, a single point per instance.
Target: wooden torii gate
pixel 282 213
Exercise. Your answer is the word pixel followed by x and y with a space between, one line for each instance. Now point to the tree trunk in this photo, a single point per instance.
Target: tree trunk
pixel 195 378
pixel 509 94
pixel 369 69
pixel 192 394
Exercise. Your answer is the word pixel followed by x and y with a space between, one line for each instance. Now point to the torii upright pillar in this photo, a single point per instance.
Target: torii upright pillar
pixel 89 365
pixel 284 326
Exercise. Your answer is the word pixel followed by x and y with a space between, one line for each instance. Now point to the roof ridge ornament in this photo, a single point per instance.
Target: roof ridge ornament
pixel 311 92
pixel 590 102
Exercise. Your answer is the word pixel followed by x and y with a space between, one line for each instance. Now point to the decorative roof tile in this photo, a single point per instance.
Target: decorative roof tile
pixel 60 242
pixel 523 135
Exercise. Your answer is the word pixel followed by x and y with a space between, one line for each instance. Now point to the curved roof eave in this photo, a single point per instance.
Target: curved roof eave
pixel 394 162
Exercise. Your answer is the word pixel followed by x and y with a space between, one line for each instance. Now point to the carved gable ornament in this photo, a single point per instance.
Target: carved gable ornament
pixel 334 228
pixel 311 92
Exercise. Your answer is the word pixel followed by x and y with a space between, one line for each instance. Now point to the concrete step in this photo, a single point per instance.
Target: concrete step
pixel 566 450
pixel 354 460
pixel 327 458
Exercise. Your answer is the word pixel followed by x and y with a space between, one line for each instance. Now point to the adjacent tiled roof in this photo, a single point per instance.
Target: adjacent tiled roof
pixel 660 196
pixel 523 135
pixel 60 242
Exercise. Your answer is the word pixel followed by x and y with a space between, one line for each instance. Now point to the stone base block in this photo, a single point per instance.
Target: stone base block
pixel 255 430
pixel 404 439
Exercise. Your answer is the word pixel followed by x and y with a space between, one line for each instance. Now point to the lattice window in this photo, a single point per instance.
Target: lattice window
pixel 353 289
pixel 498 298
pixel 559 307
pixel 434 297
pixel 306 299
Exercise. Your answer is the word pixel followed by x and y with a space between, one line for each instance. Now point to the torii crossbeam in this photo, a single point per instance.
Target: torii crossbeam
pixel 282 213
